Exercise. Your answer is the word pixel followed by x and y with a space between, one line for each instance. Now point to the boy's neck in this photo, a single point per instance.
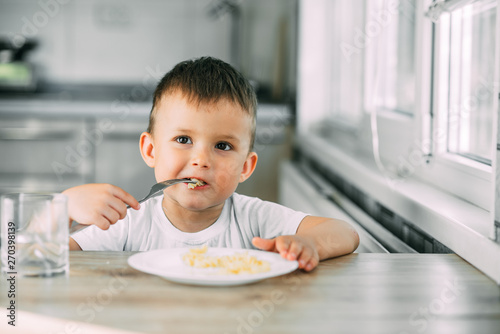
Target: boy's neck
pixel 190 221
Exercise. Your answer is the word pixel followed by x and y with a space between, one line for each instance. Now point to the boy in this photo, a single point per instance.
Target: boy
pixel 202 125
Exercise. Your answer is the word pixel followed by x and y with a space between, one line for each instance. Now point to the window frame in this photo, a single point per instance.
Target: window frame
pixel 445 168
pixel 417 141
pixel 427 158
pixel 372 53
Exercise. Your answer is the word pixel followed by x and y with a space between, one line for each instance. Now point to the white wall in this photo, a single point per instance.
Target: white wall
pixel 111 41
pixel 114 41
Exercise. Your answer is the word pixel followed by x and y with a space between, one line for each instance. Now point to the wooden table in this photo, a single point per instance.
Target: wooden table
pixel 358 293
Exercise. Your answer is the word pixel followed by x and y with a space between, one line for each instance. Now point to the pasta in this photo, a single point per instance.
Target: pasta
pixel 239 263
pixel 197 184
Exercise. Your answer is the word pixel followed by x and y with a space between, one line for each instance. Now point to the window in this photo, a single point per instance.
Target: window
pixel 471 58
pixel 464 98
pixel 417 93
pixel 390 59
pixel 347 42
pixel 331 62
pixel 426 143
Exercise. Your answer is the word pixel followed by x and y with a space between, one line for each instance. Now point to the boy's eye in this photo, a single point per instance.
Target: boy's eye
pixel 183 140
pixel 223 146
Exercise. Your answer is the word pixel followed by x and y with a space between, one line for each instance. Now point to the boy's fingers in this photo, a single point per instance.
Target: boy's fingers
pixel 308 260
pixel 111 215
pixel 295 250
pixel 308 266
pixel 101 222
pixel 305 257
pixel 119 206
pixel 125 197
pixel 264 244
pixel 311 264
pixel 282 245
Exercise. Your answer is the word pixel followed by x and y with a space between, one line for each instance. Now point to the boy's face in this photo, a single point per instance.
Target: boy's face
pixel 209 142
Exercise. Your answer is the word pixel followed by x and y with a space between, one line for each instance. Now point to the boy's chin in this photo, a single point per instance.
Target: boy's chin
pixel 196 205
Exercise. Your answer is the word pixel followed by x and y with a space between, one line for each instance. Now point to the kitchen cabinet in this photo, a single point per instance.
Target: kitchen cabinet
pixel 273 140
pixel 53 144
pixel 118 159
pixel 41 154
pixel 50 155
pixel 48 145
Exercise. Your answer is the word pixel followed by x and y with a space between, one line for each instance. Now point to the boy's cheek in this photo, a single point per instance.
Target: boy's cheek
pixel 224 179
pixel 229 173
pixel 162 173
pixel 233 167
pixel 159 177
pixel 167 166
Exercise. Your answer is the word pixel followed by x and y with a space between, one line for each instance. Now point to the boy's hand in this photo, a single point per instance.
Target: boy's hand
pixel 98 204
pixel 291 247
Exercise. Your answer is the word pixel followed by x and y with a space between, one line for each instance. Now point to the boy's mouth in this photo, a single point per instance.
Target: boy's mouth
pixel 198 183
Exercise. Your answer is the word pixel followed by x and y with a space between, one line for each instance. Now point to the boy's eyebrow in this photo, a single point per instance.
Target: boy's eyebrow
pixel 183 130
pixel 230 137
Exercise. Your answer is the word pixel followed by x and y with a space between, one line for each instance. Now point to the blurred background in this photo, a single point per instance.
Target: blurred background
pixel 76 79
pixel 114 42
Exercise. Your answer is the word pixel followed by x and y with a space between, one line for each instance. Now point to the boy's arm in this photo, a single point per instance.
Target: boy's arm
pixel 317 239
pixel 331 237
pixel 73 245
pixel 97 204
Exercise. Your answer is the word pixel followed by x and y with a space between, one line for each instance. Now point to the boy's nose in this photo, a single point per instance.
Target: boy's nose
pixel 201 158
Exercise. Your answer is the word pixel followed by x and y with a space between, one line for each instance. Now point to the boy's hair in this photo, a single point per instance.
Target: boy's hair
pixel 207 80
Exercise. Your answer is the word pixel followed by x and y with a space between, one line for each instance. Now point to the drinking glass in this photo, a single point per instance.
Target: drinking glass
pixel 34 235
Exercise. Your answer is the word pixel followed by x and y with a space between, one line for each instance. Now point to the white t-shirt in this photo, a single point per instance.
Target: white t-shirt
pixel 241 219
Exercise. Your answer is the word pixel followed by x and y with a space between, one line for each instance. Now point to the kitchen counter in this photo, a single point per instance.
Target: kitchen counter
pixel 104 100
pixel 358 293
pixel 79 100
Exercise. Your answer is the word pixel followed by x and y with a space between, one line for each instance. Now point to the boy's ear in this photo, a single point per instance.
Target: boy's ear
pixel 147 149
pixel 249 166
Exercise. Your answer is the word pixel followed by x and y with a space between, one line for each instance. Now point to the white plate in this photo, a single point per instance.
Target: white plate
pixel 168 264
